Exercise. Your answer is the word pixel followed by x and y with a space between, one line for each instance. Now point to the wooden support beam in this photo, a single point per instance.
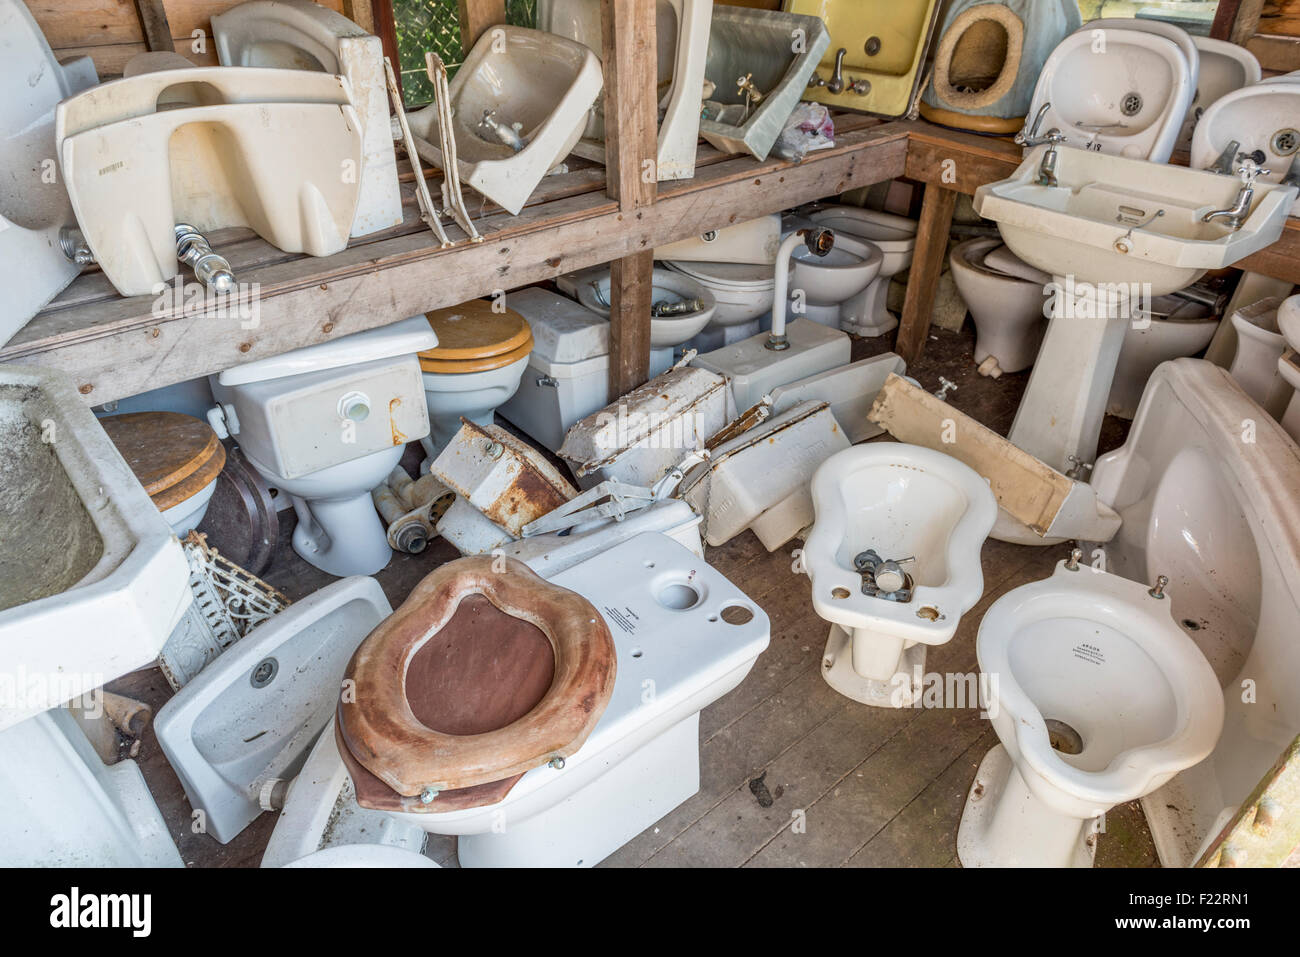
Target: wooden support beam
pixel 475 17
pixel 927 264
pixel 153 21
pixel 386 30
pixel 360 12
pixel 631 115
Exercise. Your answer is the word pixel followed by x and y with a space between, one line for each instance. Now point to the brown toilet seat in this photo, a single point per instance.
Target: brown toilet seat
pixel 485 672
pixel 174 456
pixel 476 336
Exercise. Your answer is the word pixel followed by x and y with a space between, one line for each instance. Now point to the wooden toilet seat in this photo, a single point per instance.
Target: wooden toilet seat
pixel 485 672
pixel 476 337
pixel 174 456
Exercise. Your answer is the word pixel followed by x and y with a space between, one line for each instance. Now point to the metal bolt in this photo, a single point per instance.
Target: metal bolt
pixel 429 793
pixel 1158 590
pixel 494 450
pixel 1072 564
pixel 556 762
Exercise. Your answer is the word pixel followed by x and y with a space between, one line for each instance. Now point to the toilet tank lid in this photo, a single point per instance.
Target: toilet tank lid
pixel 564 331
pixel 406 337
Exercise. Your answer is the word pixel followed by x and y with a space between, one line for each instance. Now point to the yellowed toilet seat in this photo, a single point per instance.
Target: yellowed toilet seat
pixel 476 337
pixel 174 456
pixel 481 675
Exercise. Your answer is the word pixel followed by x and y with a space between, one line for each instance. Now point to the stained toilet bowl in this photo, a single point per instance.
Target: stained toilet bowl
pixel 743 292
pixel 669 289
pixel 911 507
pixel 1097 697
pixel 1007 309
pixel 480 358
pixel 867 314
pixel 823 284
pixel 177 459
pixel 1176 328
pixel 1259 346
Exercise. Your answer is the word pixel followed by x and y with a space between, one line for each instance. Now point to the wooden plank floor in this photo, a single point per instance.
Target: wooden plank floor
pixel 869 787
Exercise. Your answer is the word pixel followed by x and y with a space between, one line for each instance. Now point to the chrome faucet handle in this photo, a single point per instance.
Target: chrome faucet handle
pixel 1249 171
pixel 1030 131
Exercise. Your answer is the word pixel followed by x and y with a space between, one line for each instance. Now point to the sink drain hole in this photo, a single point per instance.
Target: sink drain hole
pixel 1286 142
pixel 1063 737
pixel 1131 105
pixel 264 673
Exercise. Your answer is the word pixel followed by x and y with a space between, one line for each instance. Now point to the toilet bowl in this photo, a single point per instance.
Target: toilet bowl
pixel 819 285
pixel 1175 328
pixel 743 293
pixel 923 517
pixel 1117 87
pixel 1224 67
pixel 867 313
pixel 1288 364
pixel 1008 309
pixel 674 621
pixel 328 423
pixel 480 357
pixel 1259 346
pixel 1097 697
pixel 177 459
pixel 519 103
pixel 1218 516
pixel 682 41
pixel 688 304
pixel 33 208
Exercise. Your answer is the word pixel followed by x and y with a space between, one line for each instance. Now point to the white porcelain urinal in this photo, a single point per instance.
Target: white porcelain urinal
pixel 682 39
pixel 1260 119
pixel 299 34
pixel 244 146
pixel 520 102
pixel 894 558
pixel 1224 67
pixel 34 204
pixel 245 724
pixel 92 581
pixel 1220 516
pixel 1114 88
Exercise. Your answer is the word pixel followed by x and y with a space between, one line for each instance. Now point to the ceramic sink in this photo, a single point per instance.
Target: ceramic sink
pixel 34 204
pixel 682 39
pixel 1261 119
pixel 520 103
pixel 299 34
pixel 1116 89
pixel 1100 225
pixel 1224 67
pixel 230 146
pixel 92 580
pixel 759 45
pixel 883 45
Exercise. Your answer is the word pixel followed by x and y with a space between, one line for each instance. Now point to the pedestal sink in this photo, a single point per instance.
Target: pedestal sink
pixel 1113 232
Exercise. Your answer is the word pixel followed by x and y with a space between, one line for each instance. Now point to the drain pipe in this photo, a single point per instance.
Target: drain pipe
pixel 819 240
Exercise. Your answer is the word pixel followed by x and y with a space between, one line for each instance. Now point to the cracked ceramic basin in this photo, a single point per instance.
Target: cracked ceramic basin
pixel 1117 90
pixel 1224 67
pixel 534 88
pixel 92 580
pixel 1106 204
pixel 1262 119
pixel 760 45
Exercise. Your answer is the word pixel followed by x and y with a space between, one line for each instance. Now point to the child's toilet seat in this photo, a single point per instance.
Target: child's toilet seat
pixel 473 337
pixel 483 673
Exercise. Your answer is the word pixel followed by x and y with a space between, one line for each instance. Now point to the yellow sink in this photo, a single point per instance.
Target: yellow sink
pixel 883 43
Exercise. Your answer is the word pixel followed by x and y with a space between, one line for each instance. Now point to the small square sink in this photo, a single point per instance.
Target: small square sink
pixel 1124 221
pixel 92 580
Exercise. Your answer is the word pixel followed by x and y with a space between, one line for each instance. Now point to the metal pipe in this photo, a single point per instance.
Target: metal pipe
pixel 819 242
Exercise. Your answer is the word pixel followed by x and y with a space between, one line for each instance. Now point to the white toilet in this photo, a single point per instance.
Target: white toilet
pixel 1259 347
pixel 1176 328
pixel 820 286
pixel 564 757
pixel 481 355
pixel 867 313
pixel 1097 697
pixel 894 558
pixel 680 308
pixel 1007 299
pixel 743 293
pixel 326 424
pixel 1288 364
pixel 177 459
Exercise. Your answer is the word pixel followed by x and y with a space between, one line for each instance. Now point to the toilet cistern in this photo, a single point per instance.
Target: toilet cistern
pixel 819 241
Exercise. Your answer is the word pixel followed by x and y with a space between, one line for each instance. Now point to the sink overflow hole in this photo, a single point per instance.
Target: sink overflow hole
pixel 1063 737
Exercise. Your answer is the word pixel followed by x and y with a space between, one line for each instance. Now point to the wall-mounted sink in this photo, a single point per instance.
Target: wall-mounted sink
pixel 92 580
pixel 1263 120
pixel 1224 67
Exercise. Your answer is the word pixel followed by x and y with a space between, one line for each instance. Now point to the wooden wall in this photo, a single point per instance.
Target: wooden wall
pixel 111 31
pixel 1280 18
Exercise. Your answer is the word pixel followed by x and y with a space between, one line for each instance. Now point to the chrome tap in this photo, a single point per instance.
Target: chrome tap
pixel 836 84
pixel 211 269
pixel 509 134
pixel 1028 136
pixel 1223 165
pixel 1249 171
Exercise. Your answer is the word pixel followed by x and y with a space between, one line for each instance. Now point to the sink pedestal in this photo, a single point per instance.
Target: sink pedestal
pixel 1061 412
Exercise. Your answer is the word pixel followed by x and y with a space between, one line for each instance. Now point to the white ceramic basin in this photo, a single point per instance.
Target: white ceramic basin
pixel 1224 67
pixel 668 287
pixel 538 85
pixel 92 581
pixel 1119 91
pixel 252 715
pixel 1264 118
pixel 1105 205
